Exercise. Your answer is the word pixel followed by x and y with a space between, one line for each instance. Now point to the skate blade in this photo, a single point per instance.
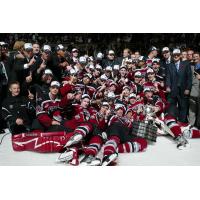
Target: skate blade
pixel 112 158
pixel 184 147
pixel 93 163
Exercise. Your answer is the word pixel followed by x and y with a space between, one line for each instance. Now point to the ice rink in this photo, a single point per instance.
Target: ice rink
pixel 162 153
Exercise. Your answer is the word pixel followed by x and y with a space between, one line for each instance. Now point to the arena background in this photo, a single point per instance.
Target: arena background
pixel 90 43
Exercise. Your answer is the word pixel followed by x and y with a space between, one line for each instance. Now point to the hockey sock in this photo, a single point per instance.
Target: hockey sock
pixel 136 145
pixel 94 146
pixel 194 133
pixel 83 129
pixel 111 145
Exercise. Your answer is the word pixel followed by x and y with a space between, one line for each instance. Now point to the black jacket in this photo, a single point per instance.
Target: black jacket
pixel 107 62
pixel 17 107
pixel 179 81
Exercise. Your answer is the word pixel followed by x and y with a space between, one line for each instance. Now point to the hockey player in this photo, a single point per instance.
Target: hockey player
pixel 80 123
pixel 120 139
pixel 94 144
pixel 48 110
pixel 159 107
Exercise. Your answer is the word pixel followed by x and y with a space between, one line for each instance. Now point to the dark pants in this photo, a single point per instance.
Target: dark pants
pixel 179 107
pixel 17 129
pixel 121 131
pixel 194 111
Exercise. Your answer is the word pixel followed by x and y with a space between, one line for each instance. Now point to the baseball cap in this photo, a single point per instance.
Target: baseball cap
pixel 126 87
pixel 139 74
pixel 122 66
pixel 147 89
pixel 88 75
pixel 72 72
pixel 141 58
pixel 120 106
pixel 46 48
pixel 55 83
pixel 74 50
pixel 28 46
pixel 99 55
pixel 116 67
pixel 91 66
pixel 157 60
pixel 104 103
pixel 103 77
pixel 112 83
pixel 82 59
pixel 97 66
pixel 60 47
pixel 176 51
pixel 165 49
pixel 108 68
pixel 111 52
pixel 132 95
pixel 153 49
pixel 48 71
pixel 150 71
pixel 85 96
pixel 3 44
pixel 111 95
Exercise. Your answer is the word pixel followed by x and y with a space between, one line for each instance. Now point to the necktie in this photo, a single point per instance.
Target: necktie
pixel 177 66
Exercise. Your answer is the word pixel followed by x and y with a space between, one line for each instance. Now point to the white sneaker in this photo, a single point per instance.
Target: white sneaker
pixel 74 140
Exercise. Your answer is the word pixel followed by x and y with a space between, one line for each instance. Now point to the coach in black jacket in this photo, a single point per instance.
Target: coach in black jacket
pixel 178 86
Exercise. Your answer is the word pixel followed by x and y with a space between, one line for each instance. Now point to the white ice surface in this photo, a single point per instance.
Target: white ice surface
pixel 163 152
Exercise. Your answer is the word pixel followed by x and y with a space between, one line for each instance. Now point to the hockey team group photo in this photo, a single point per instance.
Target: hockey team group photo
pixel 99 99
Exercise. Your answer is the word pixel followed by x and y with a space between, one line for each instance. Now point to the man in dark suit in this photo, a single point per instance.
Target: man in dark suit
pixel 178 86
pixel 110 60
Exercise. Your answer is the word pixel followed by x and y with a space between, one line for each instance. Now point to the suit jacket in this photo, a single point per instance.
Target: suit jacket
pixel 179 81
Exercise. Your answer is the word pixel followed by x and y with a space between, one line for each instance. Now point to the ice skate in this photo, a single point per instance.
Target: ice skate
pixel 74 140
pixel 107 159
pixel 182 143
pixel 90 160
pixel 187 133
pixel 67 155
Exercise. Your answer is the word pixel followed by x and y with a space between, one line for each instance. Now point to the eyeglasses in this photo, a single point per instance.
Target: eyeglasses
pixel 111 54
